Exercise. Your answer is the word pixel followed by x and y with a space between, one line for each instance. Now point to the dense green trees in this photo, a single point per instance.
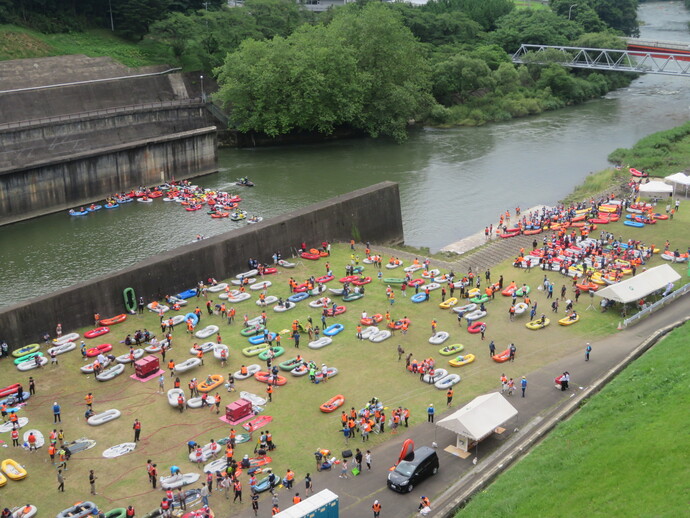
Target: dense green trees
pixel 365 70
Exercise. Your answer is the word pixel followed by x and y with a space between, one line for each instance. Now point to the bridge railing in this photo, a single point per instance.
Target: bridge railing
pixel 637 61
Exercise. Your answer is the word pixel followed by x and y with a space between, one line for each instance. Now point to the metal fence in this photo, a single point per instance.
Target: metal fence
pixel 104 111
pixel 656 306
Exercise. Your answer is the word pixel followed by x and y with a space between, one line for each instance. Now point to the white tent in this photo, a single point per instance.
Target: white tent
pixel 478 419
pixel 655 186
pixel 680 179
pixel 641 285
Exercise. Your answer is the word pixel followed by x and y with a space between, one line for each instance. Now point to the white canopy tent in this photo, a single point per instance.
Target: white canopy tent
pixel 478 419
pixel 641 285
pixel 655 186
pixel 680 179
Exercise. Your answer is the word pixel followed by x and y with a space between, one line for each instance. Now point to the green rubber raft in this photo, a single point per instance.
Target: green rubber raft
pixel 451 349
pixel 480 300
pixel 251 331
pixel 352 296
pixel 393 280
pixel 254 350
pixel 277 351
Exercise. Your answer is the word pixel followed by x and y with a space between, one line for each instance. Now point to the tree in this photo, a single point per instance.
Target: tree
pixel 392 62
pixel 538 27
pixel 364 69
pixel 275 17
pixel 458 78
pixel 484 12
pixel 306 82
pixel 581 12
pixel 133 17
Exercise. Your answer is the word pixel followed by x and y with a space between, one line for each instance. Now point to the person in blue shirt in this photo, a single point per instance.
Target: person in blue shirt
pixel 523 385
pixel 56 413
pixel 430 413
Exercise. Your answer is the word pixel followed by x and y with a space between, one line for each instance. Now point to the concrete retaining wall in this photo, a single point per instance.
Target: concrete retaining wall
pixel 52 130
pixel 370 214
pixel 43 187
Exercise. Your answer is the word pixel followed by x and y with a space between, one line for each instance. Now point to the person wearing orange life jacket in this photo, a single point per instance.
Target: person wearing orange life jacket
pixel 424 503
pixel 296 499
pixel 275 510
pixel 130 513
pixel 376 508
pixel 237 486
pixel 51 451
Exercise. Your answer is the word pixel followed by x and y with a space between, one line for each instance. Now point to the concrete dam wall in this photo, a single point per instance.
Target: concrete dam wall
pixel 370 214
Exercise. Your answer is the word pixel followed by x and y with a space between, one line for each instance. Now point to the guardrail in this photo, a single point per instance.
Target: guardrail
pixel 104 111
pixel 89 81
pixel 654 307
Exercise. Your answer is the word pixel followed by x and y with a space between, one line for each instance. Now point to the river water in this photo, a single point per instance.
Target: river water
pixel 453 182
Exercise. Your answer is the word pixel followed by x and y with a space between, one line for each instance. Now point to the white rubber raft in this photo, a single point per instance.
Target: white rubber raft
pixel 321 342
pixel 207 451
pixel 250 273
pixel 111 372
pixel 239 282
pixel 158 308
pixel 447 381
pixel 207 331
pixel 40 440
pixel 320 303
pixel 271 299
pixel 240 297
pixel 173 394
pixel 218 349
pixel 369 332
pixel 287 305
pixel 382 335
pixel 439 338
pixel 7 427
pixel 439 374
pixel 260 285
pixel 205 348
pixel 88 368
pixel 104 417
pixel 124 358
pixel 62 348
pixel 119 450
pixel 251 370
pixel 253 398
pixel 216 288
pixel 285 264
pixel 21 512
pixel 475 315
pixel 71 337
pixel 187 365
pixel 31 364
pixel 179 480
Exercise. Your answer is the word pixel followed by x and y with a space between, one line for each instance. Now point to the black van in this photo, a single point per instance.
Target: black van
pixel 422 463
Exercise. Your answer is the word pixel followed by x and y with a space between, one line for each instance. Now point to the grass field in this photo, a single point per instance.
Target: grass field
pixel 620 455
pixel 18 43
pixel 299 428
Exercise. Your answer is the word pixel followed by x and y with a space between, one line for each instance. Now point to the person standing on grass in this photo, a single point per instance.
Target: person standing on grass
pixel 56 414
pixel 61 481
pixel 449 396
pixel 137 429
pixel 492 348
pixel 92 482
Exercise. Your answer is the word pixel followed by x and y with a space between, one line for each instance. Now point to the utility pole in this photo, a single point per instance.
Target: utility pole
pixel 112 24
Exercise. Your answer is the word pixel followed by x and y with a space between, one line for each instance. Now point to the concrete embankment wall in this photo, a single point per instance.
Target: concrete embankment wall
pixel 52 185
pixel 370 214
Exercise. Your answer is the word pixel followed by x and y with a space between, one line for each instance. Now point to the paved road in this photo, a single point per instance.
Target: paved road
pixel 357 494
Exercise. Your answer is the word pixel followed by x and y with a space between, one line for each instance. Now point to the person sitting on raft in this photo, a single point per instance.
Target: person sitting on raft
pixel 542 319
pixel 573 316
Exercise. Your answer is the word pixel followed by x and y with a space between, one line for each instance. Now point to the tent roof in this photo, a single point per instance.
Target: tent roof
pixel 479 417
pixel 655 186
pixel 641 285
pixel 679 178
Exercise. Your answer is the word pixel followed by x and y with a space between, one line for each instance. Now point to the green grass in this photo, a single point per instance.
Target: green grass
pixel 660 154
pixel 19 43
pixel 529 4
pixel 620 455
pixel 597 183
pixel 299 428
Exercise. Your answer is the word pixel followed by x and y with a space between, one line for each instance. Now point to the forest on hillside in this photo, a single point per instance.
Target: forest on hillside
pixel 370 66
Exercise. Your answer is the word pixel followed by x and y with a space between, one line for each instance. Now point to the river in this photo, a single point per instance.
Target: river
pixel 453 182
